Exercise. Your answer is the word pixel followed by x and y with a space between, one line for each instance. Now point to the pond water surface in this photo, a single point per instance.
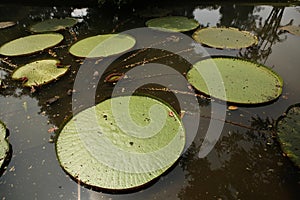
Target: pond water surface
pixel 246 162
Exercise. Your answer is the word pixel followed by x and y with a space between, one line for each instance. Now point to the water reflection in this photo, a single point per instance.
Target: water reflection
pixel 246 163
pixel 243 165
pixel 268 34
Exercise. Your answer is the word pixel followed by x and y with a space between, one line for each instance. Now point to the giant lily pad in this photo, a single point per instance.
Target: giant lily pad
pixel 39 72
pixel 53 25
pixel 30 44
pixel 173 23
pixel 230 38
pixel 121 143
pixel 4 145
pixel 288 131
pixel 102 45
pixel 295 30
pixel 244 82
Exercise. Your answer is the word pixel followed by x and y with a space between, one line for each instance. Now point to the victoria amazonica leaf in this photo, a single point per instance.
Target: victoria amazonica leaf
pixel 235 80
pixel 173 23
pixel 102 45
pixel 39 72
pixel 288 132
pixel 30 44
pixel 121 143
pixel 295 30
pixel 53 25
pixel 4 145
pixel 230 38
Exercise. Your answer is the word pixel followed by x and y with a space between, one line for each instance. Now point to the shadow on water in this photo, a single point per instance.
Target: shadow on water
pixel 246 162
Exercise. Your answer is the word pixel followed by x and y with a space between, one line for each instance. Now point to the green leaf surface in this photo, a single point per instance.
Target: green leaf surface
pixel 244 82
pixel 30 44
pixel 121 143
pixel 4 145
pixel 295 30
pixel 39 72
pixel 102 45
pixel 230 38
pixel 53 25
pixel 173 23
pixel 288 132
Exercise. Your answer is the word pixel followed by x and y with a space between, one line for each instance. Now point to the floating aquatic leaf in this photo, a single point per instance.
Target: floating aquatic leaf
pixel 53 25
pixel 173 23
pixel 292 29
pixel 114 146
pixel 102 45
pixel 39 72
pixel 30 44
pixel 288 131
pixel 244 82
pixel 4 145
pixel 6 24
pixel 230 38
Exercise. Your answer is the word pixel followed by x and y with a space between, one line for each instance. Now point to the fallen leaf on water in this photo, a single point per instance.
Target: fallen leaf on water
pixel 232 107
pixel 52 129
pixel 6 24
pixel 52 100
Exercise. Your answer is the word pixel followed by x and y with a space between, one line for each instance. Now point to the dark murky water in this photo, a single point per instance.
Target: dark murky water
pixel 246 162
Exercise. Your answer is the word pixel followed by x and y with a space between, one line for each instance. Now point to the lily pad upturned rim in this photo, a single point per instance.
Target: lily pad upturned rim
pixel 282 136
pixel 155 23
pixel 155 174
pixel 212 42
pixel 61 23
pixel 79 49
pixel 244 102
pixel 50 77
pixel 19 46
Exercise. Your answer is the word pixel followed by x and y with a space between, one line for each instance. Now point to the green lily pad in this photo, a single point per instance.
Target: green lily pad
pixel 230 38
pixel 244 82
pixel 121 143
pixel 288 131
pixel 173 23
pixel 6 24
pixel 102 45
pixel 53 25
pixel 4 145
pixel 295 30
pixel 30 44
pixel 39 72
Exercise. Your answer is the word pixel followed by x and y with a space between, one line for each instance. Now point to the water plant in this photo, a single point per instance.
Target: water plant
pixel 4 145
pixel 230 38
pixel 173 23
pixel 288 133
pixel 295 30
pixel 102 45
pixel 39 72
pixel 243 82
pixel 53 25
pixel 115 146
pixel 30 44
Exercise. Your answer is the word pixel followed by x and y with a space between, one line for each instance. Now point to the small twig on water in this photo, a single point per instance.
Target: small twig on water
pixel 4 60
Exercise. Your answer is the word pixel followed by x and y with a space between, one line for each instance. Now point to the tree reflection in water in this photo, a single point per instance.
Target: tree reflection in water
pixel 245 164
pixel 268 34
